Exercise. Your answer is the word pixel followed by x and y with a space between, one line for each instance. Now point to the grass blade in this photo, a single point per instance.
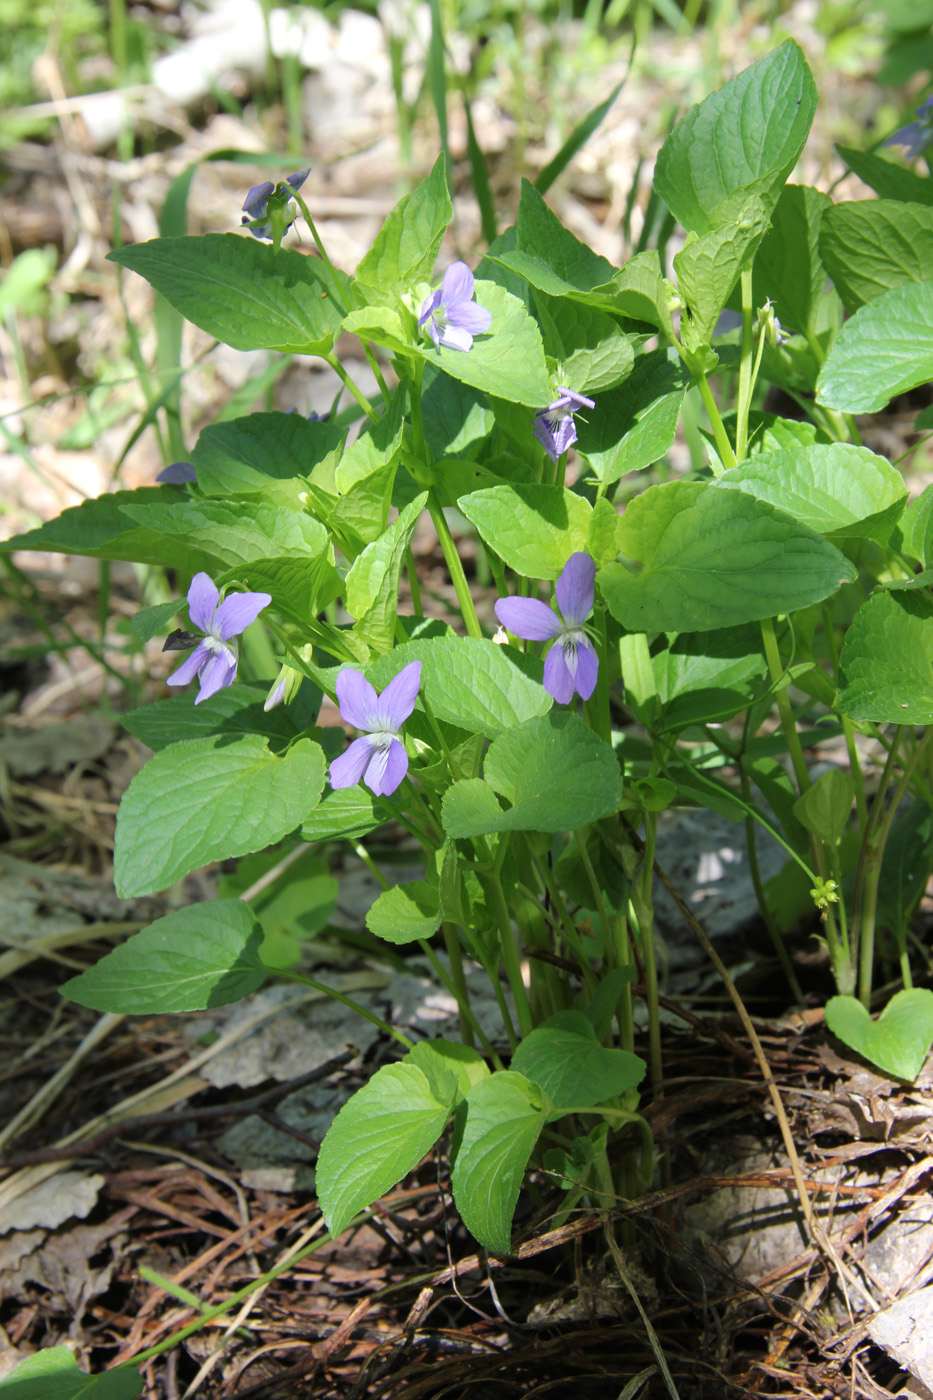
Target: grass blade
pixel 577 138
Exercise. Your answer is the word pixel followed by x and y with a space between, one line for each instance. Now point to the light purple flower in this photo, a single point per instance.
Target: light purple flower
pixel 177 474
pixel 554 426
pixel 451 314
pixel 572 662
pixel 377 757
pixel 915 136
pixel 214 659
pixel 256 203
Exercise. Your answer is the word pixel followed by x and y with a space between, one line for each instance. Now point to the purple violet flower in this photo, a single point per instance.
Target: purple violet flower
pixel 554 426
pixel 256 204
pixel 177 474
pixel 377 757
pixel 214 659
pixel 452 316
pixel 915 136
pixel 572 663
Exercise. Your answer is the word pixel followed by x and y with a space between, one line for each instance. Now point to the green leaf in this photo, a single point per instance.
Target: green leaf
pixel 100 529
pixel 908 858
pixel 533 529
pixel 52 1374
pixel 372 582
pixel 345 814
pixel 898 1042
pixel 494 1133
pixel 555 773
pixel 573 1068
pixel 439 1058
pixel 457 418
pixel 406 913
pixel 788 267
pixel 377 1138
pixel 593 352
pixel 230 537
pixel 916 527
pixel 267 454
pixel 641 292
pixel 825 807
pixel 508 361
pixel 406 247
pixel 150 622
pixel 296 906
pixel 237 709
pixel 210 799
pixel 886 666
pixel 540 231
pixel 871 246
pixel 202 956
pixel 837 490
pixel 715 559
pixel 637 422
pixel 709 267
pixel 885 349
pixel 471 682
pixel 242 291
pixel 707 677
pixel 886 178
pixel 748 134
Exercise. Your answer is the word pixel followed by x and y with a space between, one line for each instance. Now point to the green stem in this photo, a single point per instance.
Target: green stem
pixel 454 566
pixel 855 766
pixel 510 958
pixel 744 395
pixel 354 389
pixel 349 1003
pixel 374 365
pixel 754 869
pixel 720 436
pixel 414 583
pixel 335 276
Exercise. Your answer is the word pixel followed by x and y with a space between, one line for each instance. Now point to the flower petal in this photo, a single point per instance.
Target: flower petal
pixel 219 672
pixel 454 338
pixel 569 398
pixel 237 612
pixel 558 679
pixel 347 770
pixel 458 284
pixel 575 589
pixel 545 436
pixel 297 180
pixel 357 699
pixel 177 474
pixel 468 316
pixel 430 306
pixel 564 433
pixel 392 770
pixel 528 618
pixel 397 701
pixel 202 600
pixel 191 665
pixel 255 202
pixel 376 768
pixel 587 669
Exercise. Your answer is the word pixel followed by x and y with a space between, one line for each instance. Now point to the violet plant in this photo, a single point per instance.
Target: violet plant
pixel 706 633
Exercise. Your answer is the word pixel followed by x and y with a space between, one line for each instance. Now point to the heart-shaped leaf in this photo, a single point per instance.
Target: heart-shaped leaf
pixel 898 1041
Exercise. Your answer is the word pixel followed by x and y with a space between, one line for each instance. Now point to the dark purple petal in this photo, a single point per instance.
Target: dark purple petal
pixel 430 306
pixel 237 612
pixel 202 600
pixel 528 618
pixel 587 669
pixel 458 284
pixel 558 678
pixel 356 699
pixel 297 180
pixel 177 474
pixel 219 671
pixel 564 435
pixel 387 769
pixel 254 205
pixel 347 770
pixel 190 667
pixel 467 316
pixel 397 701
pixel 545 435
pixel 575 589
